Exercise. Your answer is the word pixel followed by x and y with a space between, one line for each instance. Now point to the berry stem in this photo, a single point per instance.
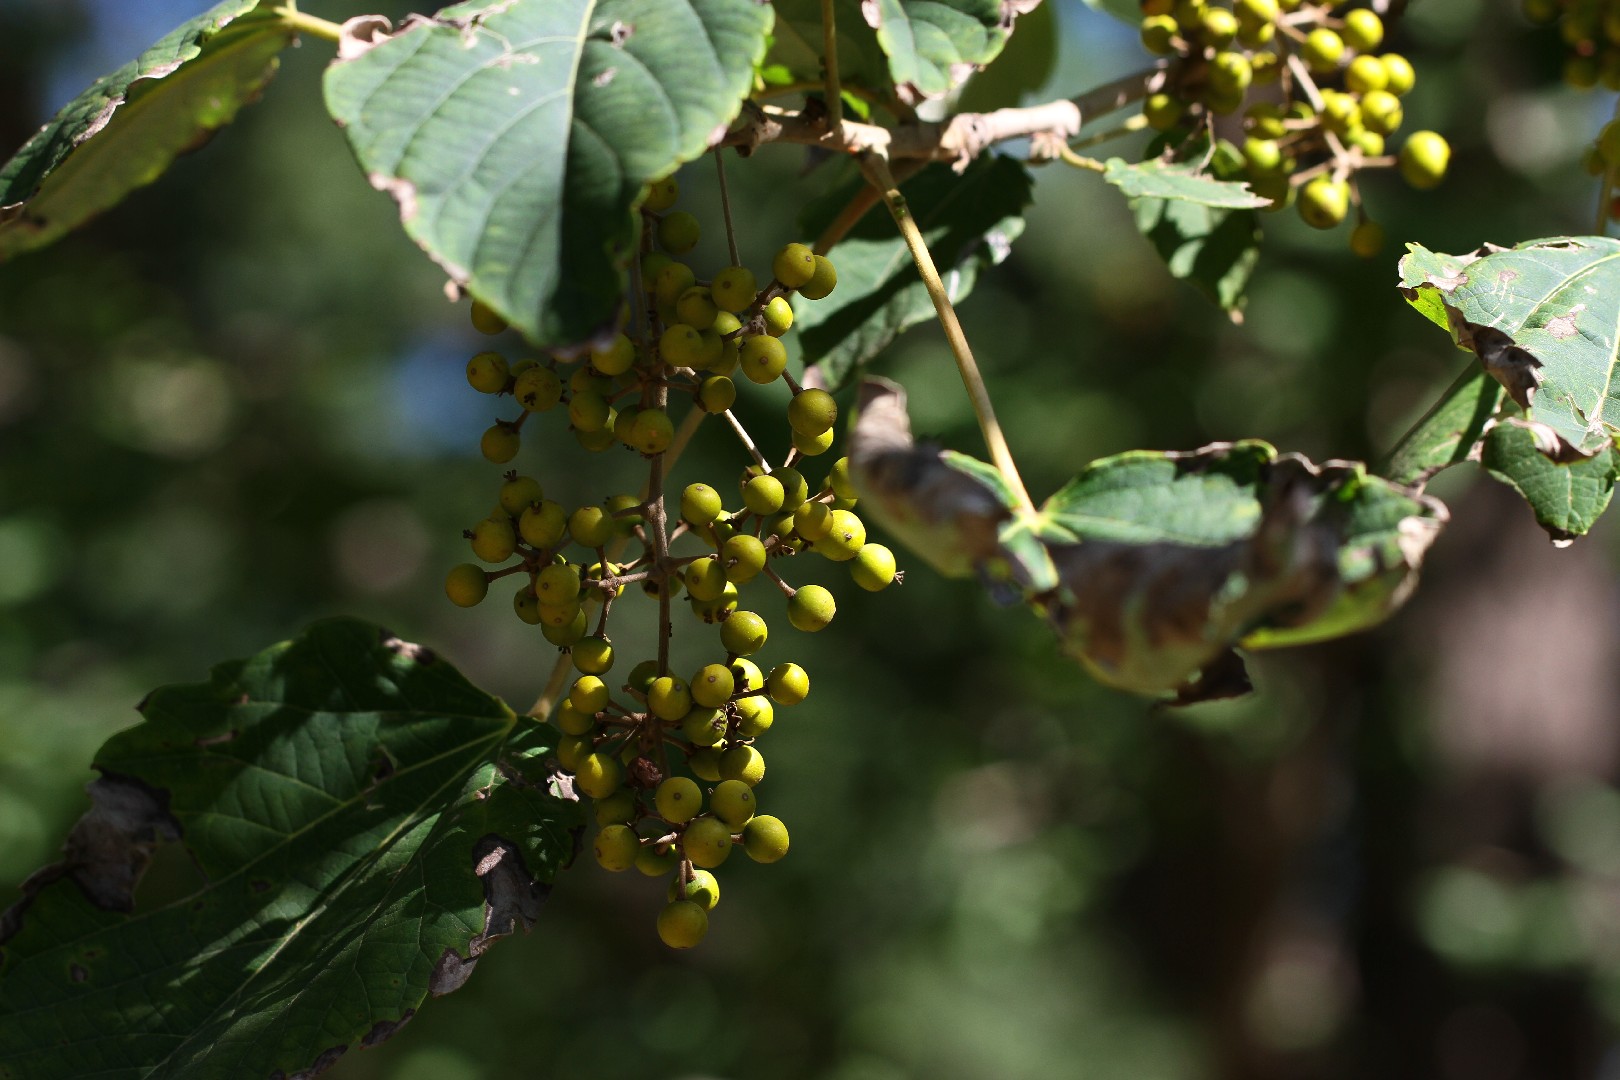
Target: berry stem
pixel 787 590
pixel 298 22
pixel 742 433
pixel 1136 122
pixel 877 171
pixel 1080 161
pixel 725 205
pixel 829 61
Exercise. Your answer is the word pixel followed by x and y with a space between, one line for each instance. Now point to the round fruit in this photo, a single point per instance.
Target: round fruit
pixel 526 606
pixel 732 801
pixel 654 863
pixel 681 925
pixel 617 809
pixel 733 288
pixel 1159 34
pixel 811 608
pixel 653 432
pixel 672 280
pixel 700 504
pixel 1424 158
pixel 743 763
pixel 1323 202
pixel 755 715
pixel 704 727
pixel 716 394
pixel 778 315
pixel 706 841
pixel 617 358
pixel 822 282
pixel 558 583
pixel 598 775
pixel 813 520
pixel 500 443
pixel 1323 50
pixel 742 558
pixel 1363 30
pixel 846 534
pixel 765 839
pixel 1366 73
pixel 494 540
pixel 873 567
pixel 594 656
pixel 812 411
pixel 761 357
pixel 617 846
pixel 794 265
pixel 705 579
pixel 813 445
pixel 669 698
pixel 518 494
pixel 565 636
pixel 487 373
pixel 678 232
pixel 590 526
pixel 1163 111
pixel 661 195
pixel 696 308
pixel 543 525
pixel 1367 239
pixel 1381 111
pixel 466 585
pixel 742 634
pixel 1399 76
pixel 678 800
pixel 763 494
pixel 702 890
pixel 705 764
pixel 713 684
pixel 787 684
pixel 485 319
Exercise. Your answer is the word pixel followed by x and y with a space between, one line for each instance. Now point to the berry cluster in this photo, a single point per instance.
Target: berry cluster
pixel 1318 100
pixel 670 758
pixel 1591 31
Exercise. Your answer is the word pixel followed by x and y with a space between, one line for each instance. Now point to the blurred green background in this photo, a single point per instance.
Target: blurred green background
pixel 236 404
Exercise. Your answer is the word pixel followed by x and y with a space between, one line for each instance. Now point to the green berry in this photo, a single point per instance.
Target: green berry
pixel 794 265
pixel 1363 30
pixel 742 557
pixel 838 479
pixel 733 288
pixel 487 373
pixel 501 442
pixel 565 636
pixel 617 809
pixel 590 526
pixel 485 319
pixel 713 611
pixel 543 524
pixel 846 534
pixel 702 890
pixel 598 775
pixel 1323 202
pixel 1218 26
pixel 713 684
pixel 704 727
pixel 1381 111
pixel 705 579
pixel 706 841
pixel 696 308
pixel 700 504
pixel 672 280
pixel 617 358
pixel 1323 50
pixel 705 764
pixel 661 195
pixel 813 445
pixel 811 608
pixel 653 432
pixel 526 606
pixel 732 801
pixel 681 925
pixel 1424 158
pixel 678 800
pixel 678 232
pixel 873 567
pixel 763 494
pixel 538 389
pixel 558 583
pixel 669 698
pixel 813 520
pixel 681 345
pixel 743 633
pixel 594 656
pixel 747 675
pixel 494 540
pixel 588 411
pixel 1399 76
pixel 743 763
pixel 1159 34
pixel 778 315
pixel 754 716
pixel 1230 73
pixel 654 863
pixel 466 585
pixel 1367 239
pixel 518 494
pixel 812 411
pixel 787 684
pixel 822 282
pixel 1163 111
pixel 765 839
pixel 588 695
pixel 762 358
pixel 1366 73
pixel 571 750
pixel 641 676
pixel 617 846
pixel 716 394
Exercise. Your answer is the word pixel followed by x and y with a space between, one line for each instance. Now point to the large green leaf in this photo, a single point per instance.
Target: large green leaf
pixel 1153 567
pixel 365 823
pixel 126 129
pixel 1568 496
pixel 1541 317
pixel 1156 179
pixel 969 222
pixel 518 136
pixel 1449 432
pixel 929 46
pixel 1203 225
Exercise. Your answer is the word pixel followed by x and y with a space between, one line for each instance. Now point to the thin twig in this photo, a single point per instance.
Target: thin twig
pixel 829 44
pixel 1132 123
pixel 725 206
pixel 877 171
pixel 742 433
pixel 298 22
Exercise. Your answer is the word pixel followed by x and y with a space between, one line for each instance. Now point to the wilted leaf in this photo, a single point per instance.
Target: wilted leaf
pixel 518 136
pixel 969 222
pixel 1541 318
pixel 1449 432
pixel 127 128
pixel 1567 496
pixel 366 824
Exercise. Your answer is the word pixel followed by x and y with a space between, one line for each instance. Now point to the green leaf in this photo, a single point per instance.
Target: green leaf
pixel 1541 317
pixel 518 137
pixel 127 128
pixel 926 47
pixel 1023 68
pixel 365 823
pixel 1448 433
pixel 1213 249
pixel 1567 496
pixel 1158 180
pixel 969 222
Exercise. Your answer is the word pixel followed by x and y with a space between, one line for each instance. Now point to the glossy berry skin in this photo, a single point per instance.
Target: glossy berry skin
pixel 700 504
pixel 593 656
pixel 778 315
pixel 538 389
pixel 813 520
pixel 733 288
pixel 765 839
pixel 654 863
pixel 598 775
pixel 616 847
pixel 716 394
pixel 1158 34
pixel 813 446
pixel 485 320
pixel 617 809
pixel 705 764
pixel 617 358
pixel 696 308
pixel 762 359
pixel 653 432
pixel 1323 202
pixel 743 763
pixel 678 232
pixel 466 585
pixel 706 841
pixel 681 345
pixel 558 583
pixel 846 535
pixel 682 924
pixel 669 698
pixel 787 684
pixel 494 540
pixel 1163 111
pixel 763 495
pixel 526 606
pixel 812 412
pixel 713 684
pixel 501 442
pixel 755 715
pixel 678 800
pixel 704 727
pixel 794 265
pixel 641 676
pixel 487 373
pixel 795 490
pixel 543 525
pixel 742 558
pixel 873 567
pixel 672 280
pixel 518 494
pixel 1363 30
pixel 1424 159
pixel 747 674
pixel 742 634
pixel 1323 50
pixel 822 282
pixel 590 526
pixel 565 636
pixel 702 890
pixel 811 608
pixel 705 579
pixel 1400 78
pixel 732 801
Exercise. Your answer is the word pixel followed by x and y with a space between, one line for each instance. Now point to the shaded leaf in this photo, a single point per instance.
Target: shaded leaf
pixel 1156 179
pixel 1448 433
pixel 1541 317
pixel 366 823
pixel 797 44
pixel 518 137
pixel 969 222
pixel 1567 496
pixel 1213 249
pixel 126 129
pixel 1023 67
